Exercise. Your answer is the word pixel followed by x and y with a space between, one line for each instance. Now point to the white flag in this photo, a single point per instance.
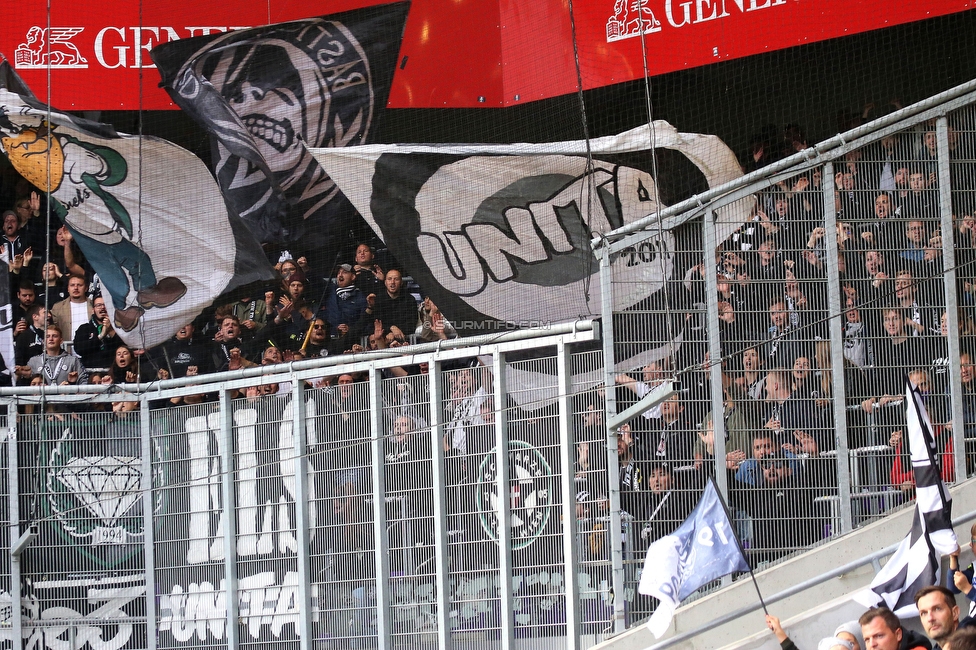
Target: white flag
pixel 702 549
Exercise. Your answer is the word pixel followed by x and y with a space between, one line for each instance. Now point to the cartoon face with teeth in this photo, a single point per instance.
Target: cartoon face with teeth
pixel 267 90
pixel 293 86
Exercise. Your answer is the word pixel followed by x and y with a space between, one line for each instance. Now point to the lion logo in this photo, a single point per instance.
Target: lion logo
pixel 50 46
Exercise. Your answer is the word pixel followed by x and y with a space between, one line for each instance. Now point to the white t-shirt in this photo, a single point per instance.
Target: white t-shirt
pixel 79 316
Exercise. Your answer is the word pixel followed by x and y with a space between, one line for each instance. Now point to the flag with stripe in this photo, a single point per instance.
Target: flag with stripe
pixel 915 563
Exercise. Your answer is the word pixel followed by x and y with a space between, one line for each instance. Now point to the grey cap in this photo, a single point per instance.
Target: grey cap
pixel 346 267
pixel 833 642
pixel 854 629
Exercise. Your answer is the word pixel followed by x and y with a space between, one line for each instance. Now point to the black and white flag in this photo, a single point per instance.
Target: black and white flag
pixel 915 563
pixel 267 94
pixel 499 235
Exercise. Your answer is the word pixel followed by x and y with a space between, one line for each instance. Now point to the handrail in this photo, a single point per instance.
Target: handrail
pixel 795 589
pixel 405 354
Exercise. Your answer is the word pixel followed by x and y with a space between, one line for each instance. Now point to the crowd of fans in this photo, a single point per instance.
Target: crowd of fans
pixel 777 381
pixel 773 307
pixel 305 314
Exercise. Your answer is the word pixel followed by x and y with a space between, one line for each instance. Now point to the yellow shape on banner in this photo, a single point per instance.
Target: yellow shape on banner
pixel 28 154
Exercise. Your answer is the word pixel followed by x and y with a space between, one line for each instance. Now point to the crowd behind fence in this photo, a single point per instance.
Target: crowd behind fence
pixel 332 503
pixel 855 272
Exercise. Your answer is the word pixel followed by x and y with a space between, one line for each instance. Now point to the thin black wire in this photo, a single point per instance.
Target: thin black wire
pixel 657 179
pixel 590 180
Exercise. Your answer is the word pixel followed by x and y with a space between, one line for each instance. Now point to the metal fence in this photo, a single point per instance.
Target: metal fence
pixel 789 335
pixel 485 493
pixel 338 503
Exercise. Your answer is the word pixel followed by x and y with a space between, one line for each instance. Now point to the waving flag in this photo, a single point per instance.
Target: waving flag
pixel 267 94
pixel 502 232
pixel 499 235
pixel 146 213
pixel 702 549
pixel 915 563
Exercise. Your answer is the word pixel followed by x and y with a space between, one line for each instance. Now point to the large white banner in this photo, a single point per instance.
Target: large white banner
pixel 146 213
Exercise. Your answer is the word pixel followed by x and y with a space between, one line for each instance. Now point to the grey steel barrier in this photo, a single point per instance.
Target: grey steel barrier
pixel 857 269
pixel 252 520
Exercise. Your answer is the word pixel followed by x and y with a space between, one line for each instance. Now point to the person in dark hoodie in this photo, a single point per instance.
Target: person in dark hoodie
pixel 182 355
pixel 96 341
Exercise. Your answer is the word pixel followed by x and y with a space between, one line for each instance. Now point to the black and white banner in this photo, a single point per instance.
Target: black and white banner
pixel 915 563
pixel 267 94
pixel 146 213
pixel 502 233
pixel 499 235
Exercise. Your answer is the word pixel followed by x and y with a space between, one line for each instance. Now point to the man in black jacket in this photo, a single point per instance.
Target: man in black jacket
pixel 30 342
pixel 395 308
pixel 883 631
pixel 181 355
pixel 96 341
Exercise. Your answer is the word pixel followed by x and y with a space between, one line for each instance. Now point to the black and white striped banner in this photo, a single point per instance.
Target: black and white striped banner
pixel 915 563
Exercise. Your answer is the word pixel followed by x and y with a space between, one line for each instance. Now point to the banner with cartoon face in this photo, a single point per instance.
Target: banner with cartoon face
pixel 267 94
pixel 146 213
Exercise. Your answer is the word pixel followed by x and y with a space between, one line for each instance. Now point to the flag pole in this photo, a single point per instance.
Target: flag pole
pixel 738 544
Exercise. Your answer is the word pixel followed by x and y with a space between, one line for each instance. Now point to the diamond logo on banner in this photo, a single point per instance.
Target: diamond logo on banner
pixel 107 485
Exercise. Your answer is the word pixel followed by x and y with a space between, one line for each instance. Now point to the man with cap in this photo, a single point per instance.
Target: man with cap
pixel 345 305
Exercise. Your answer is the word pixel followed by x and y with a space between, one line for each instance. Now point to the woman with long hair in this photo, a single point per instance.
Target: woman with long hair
pixel 125 367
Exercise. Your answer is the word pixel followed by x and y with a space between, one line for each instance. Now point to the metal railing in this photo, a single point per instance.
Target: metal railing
pixel 343 502
pixel 855 268
pixel 355 501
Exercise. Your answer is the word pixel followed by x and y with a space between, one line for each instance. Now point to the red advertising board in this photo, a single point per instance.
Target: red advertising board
pixel 471 53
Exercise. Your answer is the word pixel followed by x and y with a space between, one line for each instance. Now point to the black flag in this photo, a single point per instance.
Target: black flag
pixel 267 94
